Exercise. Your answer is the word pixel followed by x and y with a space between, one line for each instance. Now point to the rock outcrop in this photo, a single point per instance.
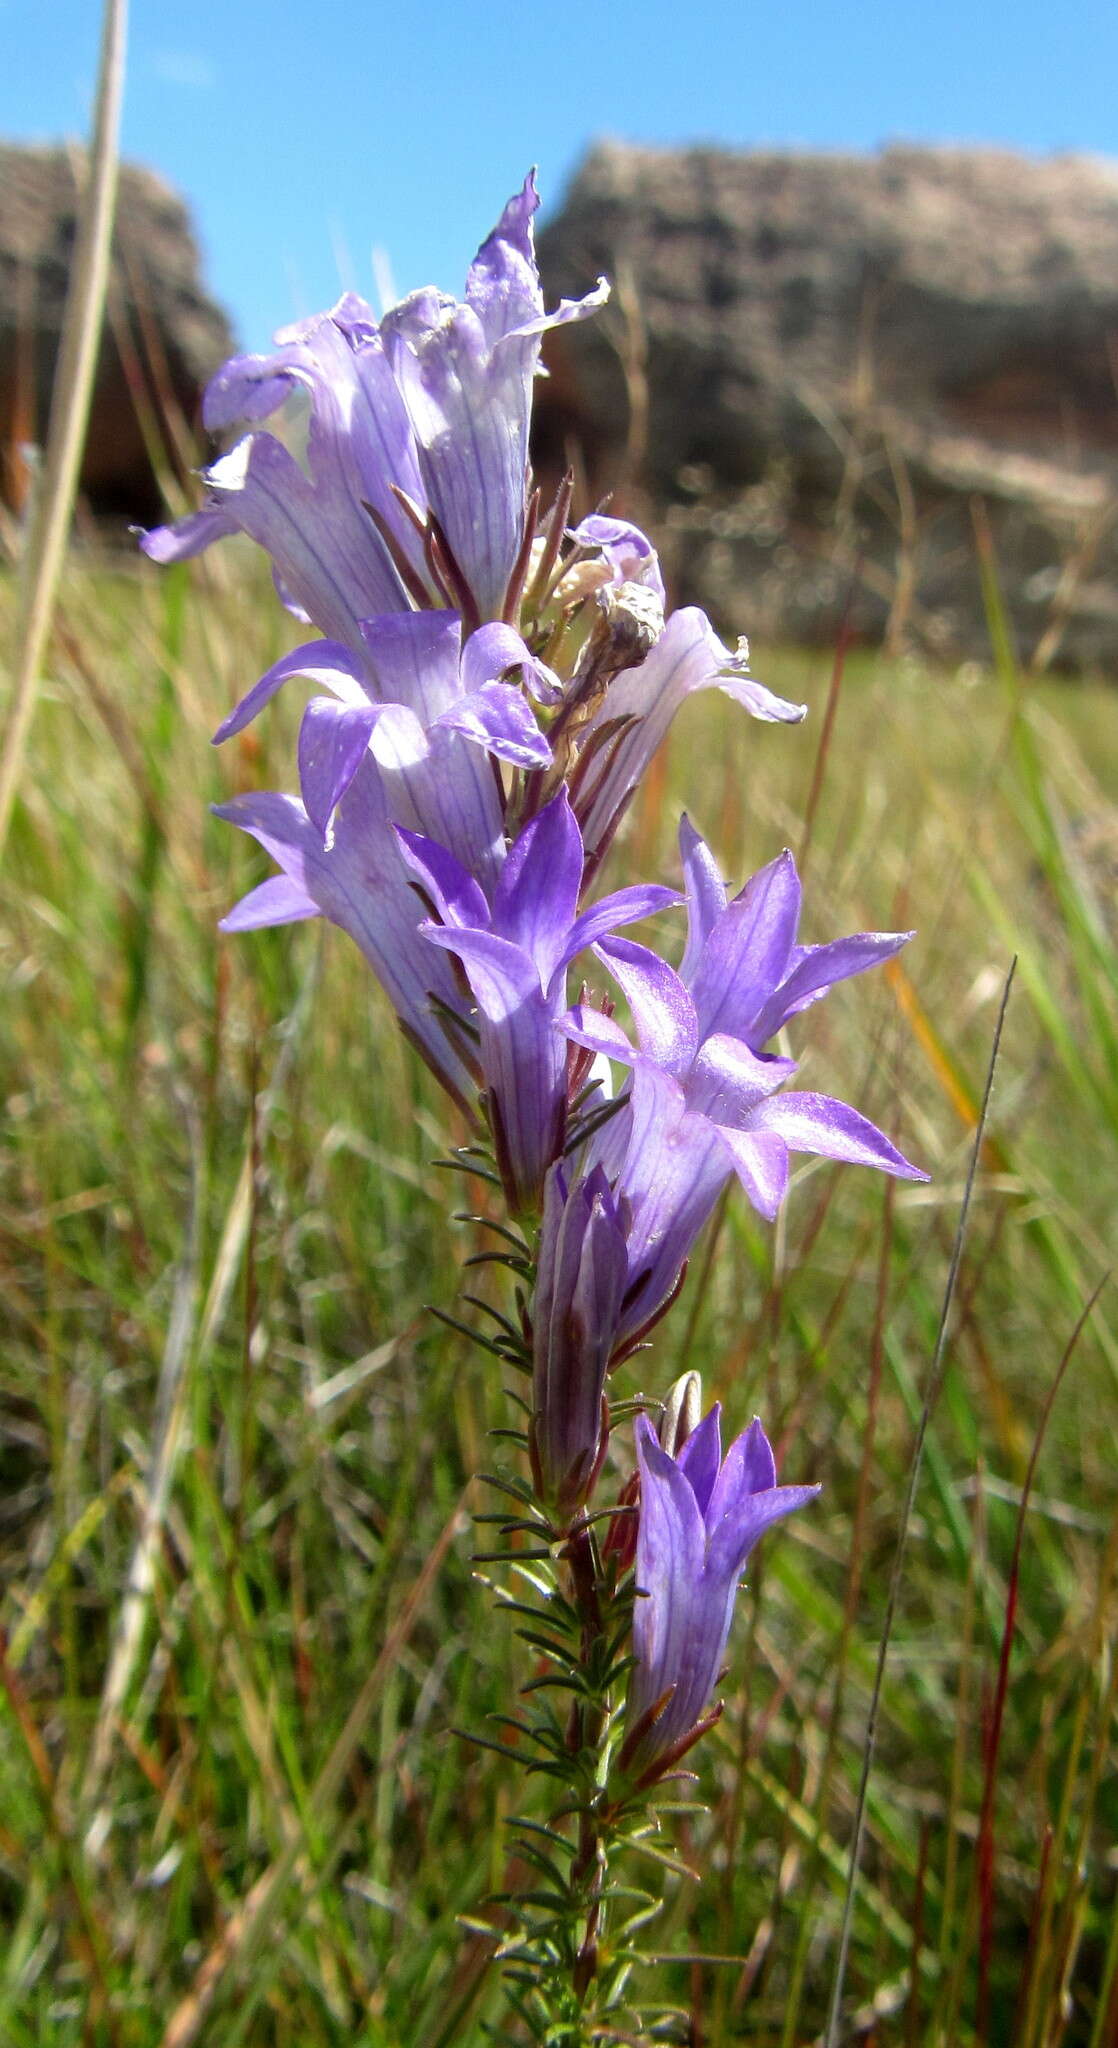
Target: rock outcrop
pixel 163 333
pixel 815 366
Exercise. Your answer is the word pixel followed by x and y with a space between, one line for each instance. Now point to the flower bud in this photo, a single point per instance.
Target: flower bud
pixel 682 1410
pixel 575 1311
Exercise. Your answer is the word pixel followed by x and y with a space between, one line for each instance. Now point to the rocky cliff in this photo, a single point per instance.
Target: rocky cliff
pixel 815 366
pixel 163 334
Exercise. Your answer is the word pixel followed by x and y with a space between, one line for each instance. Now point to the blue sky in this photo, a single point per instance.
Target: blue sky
pixel 304 136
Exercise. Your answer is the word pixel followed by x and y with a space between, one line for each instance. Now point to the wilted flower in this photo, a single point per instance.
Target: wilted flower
pixel 700 1516
pixel 609 551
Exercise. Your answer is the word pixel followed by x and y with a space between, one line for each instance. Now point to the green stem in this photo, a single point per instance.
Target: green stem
pixel 589 1724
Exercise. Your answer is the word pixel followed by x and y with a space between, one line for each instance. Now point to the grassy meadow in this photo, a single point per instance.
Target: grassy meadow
pixel 241 1627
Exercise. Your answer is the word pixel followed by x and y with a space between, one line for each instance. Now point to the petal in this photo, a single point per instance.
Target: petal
pixel 503 286
pixel 453 891
pixel 629 552
pixel 727 1080
pixel 493 650
pixel 246 390
pixel 749 1467
pixel 598 1033
pixel 333 742
pixel 496 717
pixel 536 896
pixel 503 283
pixel 415 659
pixel 469 412
pixel 489 653
pixel 815 969
pixel 581 1270
pixel 760 1160
pixel 701 1456
pixel 706 894
pixel 361 884
pixel 523 1056
pixel 566 312
pixel 747 952
pixel 502 976
pixel 663 1011
pixel 279 900
pixel 639 707
pixel 278 822
pixel 330 560
pixel 188 536
pixel 465 372
pixel 734 680
pixel 325 662
pixel 442 786
pixel 623 906
pixel 742 1521
pixel 817 1123
pixel 672 1172
pixel 359 441
pixel 671 1541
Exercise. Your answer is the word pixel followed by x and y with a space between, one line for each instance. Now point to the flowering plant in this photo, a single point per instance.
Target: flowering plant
pixel 457 620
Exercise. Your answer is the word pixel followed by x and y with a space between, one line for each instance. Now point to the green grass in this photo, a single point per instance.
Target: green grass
pixel 240 1618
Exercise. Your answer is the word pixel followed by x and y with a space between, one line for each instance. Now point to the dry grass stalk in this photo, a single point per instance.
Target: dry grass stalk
pixel 70 400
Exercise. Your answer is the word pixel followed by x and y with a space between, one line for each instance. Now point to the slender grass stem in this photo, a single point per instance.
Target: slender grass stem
pixel 69 413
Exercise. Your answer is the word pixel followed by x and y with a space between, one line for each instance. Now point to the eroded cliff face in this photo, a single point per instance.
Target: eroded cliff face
pixel 163 333
pixel 814 366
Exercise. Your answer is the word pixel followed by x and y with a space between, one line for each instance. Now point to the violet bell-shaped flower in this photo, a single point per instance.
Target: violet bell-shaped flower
pixel 700 1516
pixel 416 484
pixel 514 949
pixel 580 1278
pixel 341 544
pixel 466 372
pixel 704 1097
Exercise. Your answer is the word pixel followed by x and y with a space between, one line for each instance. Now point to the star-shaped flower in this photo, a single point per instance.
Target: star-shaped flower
pixel 706 1098
pixel 515 949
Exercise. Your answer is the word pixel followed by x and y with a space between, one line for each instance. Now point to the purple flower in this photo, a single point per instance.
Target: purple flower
pixel 334 563
pixel 704 1097
pixel 638 708
pixel 700 1516
pixel 428 411
pixel 515 949
pixel 413 696
pixel 466 372
pixel 401 741
pixel 581 1272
